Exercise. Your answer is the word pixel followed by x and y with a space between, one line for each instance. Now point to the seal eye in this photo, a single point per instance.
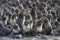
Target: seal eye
pixel 45 20
pixel 26 23
pixel 27 17
pixel 30 21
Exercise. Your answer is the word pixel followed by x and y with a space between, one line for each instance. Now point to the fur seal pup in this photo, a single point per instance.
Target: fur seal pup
pixel 5 30
pixel 27 23
pixel 16 28
pixel 47 27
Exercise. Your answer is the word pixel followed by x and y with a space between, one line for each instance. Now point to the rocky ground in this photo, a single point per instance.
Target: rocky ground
pixel 33 38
